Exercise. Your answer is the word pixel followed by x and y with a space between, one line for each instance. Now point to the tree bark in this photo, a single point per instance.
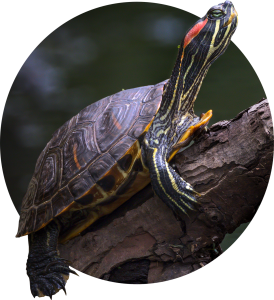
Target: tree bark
pixel 144 242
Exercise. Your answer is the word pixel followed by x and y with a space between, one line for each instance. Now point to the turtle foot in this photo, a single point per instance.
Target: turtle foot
pixel 49 276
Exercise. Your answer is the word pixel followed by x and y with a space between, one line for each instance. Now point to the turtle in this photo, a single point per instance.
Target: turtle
pixel 115 147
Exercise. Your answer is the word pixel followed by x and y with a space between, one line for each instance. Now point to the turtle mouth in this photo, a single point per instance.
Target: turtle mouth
pixel 233 15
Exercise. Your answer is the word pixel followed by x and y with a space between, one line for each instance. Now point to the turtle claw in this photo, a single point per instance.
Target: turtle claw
pixel 47 278
pixel 61 261
pixel 190 189
pixel 64 289
pixel 196 193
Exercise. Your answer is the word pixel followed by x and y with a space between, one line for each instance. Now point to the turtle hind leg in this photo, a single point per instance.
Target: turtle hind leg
pixel 47 271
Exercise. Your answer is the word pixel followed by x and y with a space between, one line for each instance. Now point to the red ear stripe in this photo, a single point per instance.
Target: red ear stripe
pixel 194 32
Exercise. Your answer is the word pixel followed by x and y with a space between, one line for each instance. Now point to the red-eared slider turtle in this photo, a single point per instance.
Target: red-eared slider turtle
pixel 113 148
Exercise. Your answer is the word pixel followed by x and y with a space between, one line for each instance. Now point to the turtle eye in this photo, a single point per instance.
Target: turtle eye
pixel 216 13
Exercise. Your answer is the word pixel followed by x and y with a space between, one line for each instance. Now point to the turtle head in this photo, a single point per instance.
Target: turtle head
pixel 203 43
pixel 209 37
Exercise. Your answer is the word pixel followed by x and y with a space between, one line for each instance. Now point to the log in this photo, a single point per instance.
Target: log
pixel 144 242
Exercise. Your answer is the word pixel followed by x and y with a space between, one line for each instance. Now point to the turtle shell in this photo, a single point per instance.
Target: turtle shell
pixel 89 158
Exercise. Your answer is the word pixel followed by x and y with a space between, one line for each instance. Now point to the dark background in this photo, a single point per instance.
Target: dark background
pixel 97 54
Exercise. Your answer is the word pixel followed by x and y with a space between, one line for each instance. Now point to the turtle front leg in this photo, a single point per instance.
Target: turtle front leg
pixel 191 133
pixel 47 271
pixel 167 184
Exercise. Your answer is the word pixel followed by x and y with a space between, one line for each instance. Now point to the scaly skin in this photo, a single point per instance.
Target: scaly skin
pixel 47 271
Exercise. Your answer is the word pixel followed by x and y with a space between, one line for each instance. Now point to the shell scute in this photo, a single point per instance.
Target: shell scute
pixel 114 123
pixel 61 201
pixel 85 200
pixel 93 111
pixel 157 91
pixel 125 162
pixel 49 178
pixel 150 108
pixel 127 184
pixel 139 127
pixel 107 182
pixel 101 166
pixel 40 159
pixel 121 147
pixel 79 149
pixel 30 220
pixel 30 194
pixel 43 214
pixel 81 184
pixel 61 133
pixel 22 222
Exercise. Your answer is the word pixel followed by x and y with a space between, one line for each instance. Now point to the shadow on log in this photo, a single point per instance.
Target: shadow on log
pixel 143 242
